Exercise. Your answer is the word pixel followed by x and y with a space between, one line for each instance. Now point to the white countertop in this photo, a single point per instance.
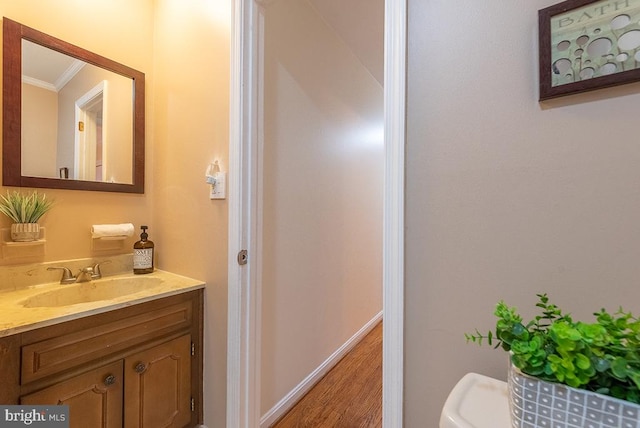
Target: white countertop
pixel 15 317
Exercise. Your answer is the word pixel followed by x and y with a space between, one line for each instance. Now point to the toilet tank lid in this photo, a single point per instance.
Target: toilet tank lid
pixel 477 401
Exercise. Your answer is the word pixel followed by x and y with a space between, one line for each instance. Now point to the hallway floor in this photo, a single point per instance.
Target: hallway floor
pixel 349 396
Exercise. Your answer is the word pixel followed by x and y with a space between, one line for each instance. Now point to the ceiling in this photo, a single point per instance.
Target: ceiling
pixel 47 68
pixel 360 23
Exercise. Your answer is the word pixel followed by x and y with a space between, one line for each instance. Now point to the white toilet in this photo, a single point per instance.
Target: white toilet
pixel 477 401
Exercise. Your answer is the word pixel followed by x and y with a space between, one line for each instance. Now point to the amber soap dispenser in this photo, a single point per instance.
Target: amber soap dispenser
pixel 143 253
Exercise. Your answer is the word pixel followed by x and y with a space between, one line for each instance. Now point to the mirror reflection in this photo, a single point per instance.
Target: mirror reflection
pixel 77 119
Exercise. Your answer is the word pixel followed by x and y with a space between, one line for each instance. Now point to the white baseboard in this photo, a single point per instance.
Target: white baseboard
pixel 289 400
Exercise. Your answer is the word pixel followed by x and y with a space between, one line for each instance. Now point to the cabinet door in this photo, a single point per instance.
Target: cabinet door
pixel 94 398
pixel 158 386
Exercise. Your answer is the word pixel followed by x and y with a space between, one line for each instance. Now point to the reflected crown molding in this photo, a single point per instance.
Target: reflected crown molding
pixel 39 83
pixel 62 80
pixel 69 73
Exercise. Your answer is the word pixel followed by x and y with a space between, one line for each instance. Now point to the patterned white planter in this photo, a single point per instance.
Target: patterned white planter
pixel 25 232
pixel 536 403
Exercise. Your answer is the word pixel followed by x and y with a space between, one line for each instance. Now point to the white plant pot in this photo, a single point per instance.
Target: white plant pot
pixel 536 403
pixel 25 232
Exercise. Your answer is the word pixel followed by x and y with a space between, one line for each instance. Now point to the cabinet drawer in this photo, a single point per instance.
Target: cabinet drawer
pixel 51 356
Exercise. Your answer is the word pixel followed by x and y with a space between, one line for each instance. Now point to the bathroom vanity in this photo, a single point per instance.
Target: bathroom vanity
pixel 134 361
pixel 122 351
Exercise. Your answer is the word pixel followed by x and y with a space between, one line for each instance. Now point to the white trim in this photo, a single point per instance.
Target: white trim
pixel 39 83
pixel 289 400
pixel 83 141
pixel 69 74
pixel 243 330
pixel 393 223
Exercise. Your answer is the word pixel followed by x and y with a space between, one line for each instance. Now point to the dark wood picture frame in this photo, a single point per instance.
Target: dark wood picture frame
pixel 570 61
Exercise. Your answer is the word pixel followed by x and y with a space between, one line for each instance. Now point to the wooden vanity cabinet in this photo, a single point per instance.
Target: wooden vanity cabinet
pixel 136 367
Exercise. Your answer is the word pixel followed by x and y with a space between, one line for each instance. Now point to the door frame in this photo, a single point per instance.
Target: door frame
pixel 83 138
pixel 243 329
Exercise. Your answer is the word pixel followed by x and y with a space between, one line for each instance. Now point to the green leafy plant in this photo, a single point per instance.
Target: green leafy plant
pixel 22 208
pixel 603 356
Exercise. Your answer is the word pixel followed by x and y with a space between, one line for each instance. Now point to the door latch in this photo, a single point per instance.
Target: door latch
pixel 243 257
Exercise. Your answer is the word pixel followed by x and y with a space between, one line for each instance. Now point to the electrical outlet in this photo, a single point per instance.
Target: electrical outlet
pixel 219 189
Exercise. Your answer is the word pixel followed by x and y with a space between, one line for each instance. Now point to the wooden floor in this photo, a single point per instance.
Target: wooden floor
pixel 349 396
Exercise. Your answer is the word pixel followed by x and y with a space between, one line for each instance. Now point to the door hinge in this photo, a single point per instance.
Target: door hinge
pixel 243 257
pixel 193 405
pixel 81 126
pixel 193 349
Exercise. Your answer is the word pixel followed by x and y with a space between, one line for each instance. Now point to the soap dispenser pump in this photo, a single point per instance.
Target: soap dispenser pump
pixel 143 253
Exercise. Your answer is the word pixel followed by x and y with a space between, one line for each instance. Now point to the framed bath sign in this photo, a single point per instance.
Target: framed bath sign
pixel 586 45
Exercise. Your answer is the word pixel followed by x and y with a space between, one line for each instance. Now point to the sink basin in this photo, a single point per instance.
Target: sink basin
pixel 101 289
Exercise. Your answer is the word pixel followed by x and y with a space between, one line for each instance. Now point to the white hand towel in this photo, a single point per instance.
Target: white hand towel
pixel 111 230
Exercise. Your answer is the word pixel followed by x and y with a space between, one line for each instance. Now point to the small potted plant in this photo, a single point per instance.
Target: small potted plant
pixel 568 373
pixel 24 211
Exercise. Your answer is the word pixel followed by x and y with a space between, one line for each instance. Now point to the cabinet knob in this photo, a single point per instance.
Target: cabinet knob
pixel 109 380
pixel 140 367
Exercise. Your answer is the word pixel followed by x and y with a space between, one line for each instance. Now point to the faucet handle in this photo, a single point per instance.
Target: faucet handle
pixel 96 269
pixel 67 276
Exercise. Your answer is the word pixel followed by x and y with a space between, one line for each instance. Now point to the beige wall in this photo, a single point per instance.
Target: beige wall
pixel 506 197
pixel 322 191
pixel 183 49
pixel 192 125
pixel 40 140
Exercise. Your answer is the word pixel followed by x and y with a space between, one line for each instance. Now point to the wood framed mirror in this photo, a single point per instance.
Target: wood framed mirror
pixel 82 127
